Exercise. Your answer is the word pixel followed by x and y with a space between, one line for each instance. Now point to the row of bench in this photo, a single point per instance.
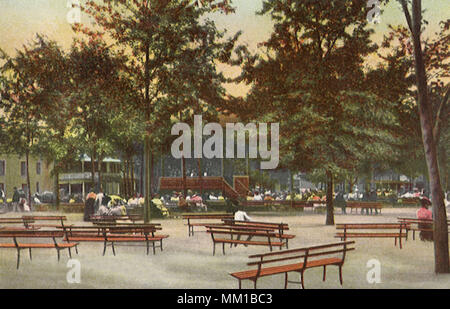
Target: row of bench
pixel 107 232
pixel 267 234
pixel 362 205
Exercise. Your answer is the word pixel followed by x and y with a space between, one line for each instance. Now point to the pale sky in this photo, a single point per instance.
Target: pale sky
pixel 20 20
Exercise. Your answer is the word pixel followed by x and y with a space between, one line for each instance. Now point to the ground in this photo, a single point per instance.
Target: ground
pixel 188 263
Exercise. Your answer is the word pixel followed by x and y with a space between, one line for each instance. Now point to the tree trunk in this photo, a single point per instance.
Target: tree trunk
pixel 440 231
pixel 93 168
pixel 148 185
pixel 124 180
pixel 56 188
pixel 99 169
pixel 148 180
pixel 330 208
pixel 200 176
pixel 132 187
pixel 183 174
pixel 27 159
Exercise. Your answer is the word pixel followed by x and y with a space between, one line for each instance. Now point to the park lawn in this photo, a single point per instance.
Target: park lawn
pixel 187 262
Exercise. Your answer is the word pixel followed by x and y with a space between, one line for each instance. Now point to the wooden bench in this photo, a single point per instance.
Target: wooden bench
pixel 203 216
pixel 218 232
pixel 15 235
pixel 280 227
pixel 110 235
pixel 372 230
pixel 268 203
pixel 410 201
pixel 364 205
pixel 33 219
pixel 23 224
pixel 295 260
pixel 420 225
pixel 111 219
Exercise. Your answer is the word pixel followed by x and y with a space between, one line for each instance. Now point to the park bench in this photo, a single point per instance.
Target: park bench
pixel 110 235
pixel 15 235
pixel 301 204
pixel 295 260
pixel 257 203
pixel 203 216
pixel 364 205
pixel 410 201
pixel 280 227
pixel 132 218
pixel 268 203
pixel 372 230
pixel 24 224
pixel 34 219
pixel 219 235
pixel 420 225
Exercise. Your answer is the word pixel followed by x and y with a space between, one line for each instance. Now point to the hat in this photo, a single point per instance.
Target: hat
pixel 425 201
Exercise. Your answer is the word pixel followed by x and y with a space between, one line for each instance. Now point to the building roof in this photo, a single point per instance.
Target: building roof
pixel 86 158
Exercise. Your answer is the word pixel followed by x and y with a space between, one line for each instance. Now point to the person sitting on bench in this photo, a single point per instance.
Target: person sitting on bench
pixel 425 214
pixel 241 215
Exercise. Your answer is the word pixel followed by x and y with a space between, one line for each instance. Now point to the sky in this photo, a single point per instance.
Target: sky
pixel 20 20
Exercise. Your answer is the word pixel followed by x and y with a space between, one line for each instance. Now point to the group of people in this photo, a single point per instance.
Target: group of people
pixel 19 200
pixel 191 199
pixel 102 204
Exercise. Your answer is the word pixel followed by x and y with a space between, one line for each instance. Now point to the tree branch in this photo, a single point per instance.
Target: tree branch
pixel 440 116
pixel 407 14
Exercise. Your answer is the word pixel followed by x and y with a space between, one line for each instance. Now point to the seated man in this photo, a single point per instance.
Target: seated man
pixel 241 215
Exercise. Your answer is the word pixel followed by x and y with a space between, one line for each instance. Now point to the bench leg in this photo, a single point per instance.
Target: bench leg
pixel 104 248
pixel 160 244
pixel 59 255
pixel 29 250
pixel 240 286
pixel 154 252
pixel 324 272
pixel 254 283
pixel 340 274
pixel 214 249
pixel 223 248
pixel 18 258
pixel 285 280
pixel 113 249
pixel 302 281
pixel 148 247
pixel 70 253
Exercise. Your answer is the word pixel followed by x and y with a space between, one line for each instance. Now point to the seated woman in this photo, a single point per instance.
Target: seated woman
pixel 425 214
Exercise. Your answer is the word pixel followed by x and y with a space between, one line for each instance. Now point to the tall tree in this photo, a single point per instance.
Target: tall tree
pixel 159 34
pixel 311 79
pixel 97 87
pixel 26 96
pixel 414 19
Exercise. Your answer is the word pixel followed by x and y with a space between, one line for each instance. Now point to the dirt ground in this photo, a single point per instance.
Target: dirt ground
pixel 188 263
